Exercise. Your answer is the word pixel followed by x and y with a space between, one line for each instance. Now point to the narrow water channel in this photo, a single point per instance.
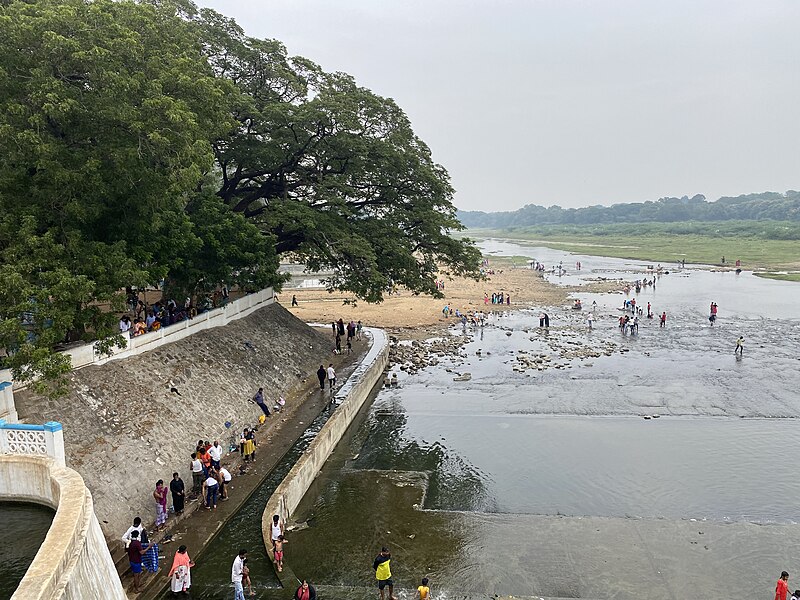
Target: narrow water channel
pixel 24 528
pixel 211 575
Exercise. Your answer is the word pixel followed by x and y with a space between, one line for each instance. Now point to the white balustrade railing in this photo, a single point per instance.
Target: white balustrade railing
pixel 33 440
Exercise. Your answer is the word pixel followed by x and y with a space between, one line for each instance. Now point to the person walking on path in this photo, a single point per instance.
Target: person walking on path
pixel 180 574
pixel 322 375
pixel 782 587
pixel 237 570
pixel 259 399
pixel 331 376
pixel 383 572
pixel 739 346
pixel 178 491
pixel 306 591
pixel 160 496
pixel 294 300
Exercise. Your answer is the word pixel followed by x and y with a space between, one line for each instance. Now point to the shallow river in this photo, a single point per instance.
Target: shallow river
pixel 551 482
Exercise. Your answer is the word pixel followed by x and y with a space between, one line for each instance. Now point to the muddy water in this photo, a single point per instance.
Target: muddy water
pixel 552 482
pixel 24 529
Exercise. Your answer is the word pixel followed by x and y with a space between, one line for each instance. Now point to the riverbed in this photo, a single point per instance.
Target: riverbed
pixel 580 464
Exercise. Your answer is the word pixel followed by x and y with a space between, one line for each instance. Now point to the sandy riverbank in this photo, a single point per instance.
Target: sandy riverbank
pixel 405 311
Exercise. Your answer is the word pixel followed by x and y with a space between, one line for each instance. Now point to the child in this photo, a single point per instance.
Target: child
pixel 279 553
pixel 424 591
pixel 246 578
pixel 796 595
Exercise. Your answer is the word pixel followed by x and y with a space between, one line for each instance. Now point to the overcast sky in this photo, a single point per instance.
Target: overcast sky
pixel 568 102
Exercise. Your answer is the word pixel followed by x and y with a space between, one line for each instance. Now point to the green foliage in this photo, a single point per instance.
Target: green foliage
pixel 761 244
pixel 344 183
pixel 149 140
pixel 756 207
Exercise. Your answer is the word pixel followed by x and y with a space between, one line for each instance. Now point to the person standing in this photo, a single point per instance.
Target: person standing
pixel 663 319
pixel 197 473
pixel 782 587
pixel 215 452
pixel 331 376
pixel 178 491
pixel 259 399
pixel 160 496
pixel 322 375
pixel 739 346
pixel 294 300
pixel 590 320
pixel 383 572
pixel 276 529
pixel 236 575
pixel 180 573
pixel 135 549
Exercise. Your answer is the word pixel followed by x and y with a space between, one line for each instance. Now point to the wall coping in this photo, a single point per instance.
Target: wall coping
pixel 48 576
pixel 87 354
pixel 350 398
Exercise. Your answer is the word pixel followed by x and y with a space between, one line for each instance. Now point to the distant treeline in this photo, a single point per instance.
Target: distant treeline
pixel 764 230
pixel 770 206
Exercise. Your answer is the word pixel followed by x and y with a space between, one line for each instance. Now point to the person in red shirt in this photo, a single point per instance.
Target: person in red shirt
pixel 782 587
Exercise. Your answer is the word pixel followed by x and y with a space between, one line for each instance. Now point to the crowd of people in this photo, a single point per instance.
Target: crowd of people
pixel 352 330
pixel 142 318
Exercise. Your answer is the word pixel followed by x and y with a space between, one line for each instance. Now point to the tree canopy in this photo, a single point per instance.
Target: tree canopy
pixel 149 141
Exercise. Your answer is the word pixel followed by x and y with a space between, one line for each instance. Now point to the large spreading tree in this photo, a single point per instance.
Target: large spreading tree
pixel 149 141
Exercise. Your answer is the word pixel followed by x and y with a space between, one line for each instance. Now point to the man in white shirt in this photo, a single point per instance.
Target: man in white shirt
pixel 197 473
pixel 331 376
pixel 137 526
pixel 215 452
pixel 236 575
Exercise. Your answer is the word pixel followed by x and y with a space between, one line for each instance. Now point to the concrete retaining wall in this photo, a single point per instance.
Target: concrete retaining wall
pixel 86 354
pixel 73 562
pixel 350 398
pixel 124 428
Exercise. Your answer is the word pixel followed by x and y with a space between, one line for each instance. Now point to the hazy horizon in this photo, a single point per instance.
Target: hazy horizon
pixel 567 102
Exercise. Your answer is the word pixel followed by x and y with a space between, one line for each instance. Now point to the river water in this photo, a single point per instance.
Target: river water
pixel 24 529
pixel 659 460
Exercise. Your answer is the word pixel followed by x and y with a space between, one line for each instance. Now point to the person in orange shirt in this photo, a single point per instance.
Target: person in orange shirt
pixel 205 458
pixel 782 587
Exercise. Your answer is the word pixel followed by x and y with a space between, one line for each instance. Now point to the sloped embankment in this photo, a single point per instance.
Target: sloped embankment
pixel 124 428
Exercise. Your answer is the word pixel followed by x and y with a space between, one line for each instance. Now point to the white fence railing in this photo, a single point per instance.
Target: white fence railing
pixel 33 440
pixel 87 354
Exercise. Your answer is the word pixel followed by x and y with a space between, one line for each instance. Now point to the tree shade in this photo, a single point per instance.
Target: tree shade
pixel 152 141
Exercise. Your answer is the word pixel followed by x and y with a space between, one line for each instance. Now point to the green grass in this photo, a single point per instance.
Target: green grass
pixel 779 276
pixel 656 242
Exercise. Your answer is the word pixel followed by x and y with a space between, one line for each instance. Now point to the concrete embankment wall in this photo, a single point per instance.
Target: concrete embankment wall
pixel 350 398
pixel 73 562
pixel 124 429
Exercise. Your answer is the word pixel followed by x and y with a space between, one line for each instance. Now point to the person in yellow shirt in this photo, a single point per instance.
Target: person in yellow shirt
pixel 424 591
pixel 383 572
